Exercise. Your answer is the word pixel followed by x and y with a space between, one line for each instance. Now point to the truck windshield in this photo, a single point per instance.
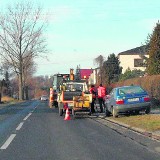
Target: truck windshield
pixel 74 87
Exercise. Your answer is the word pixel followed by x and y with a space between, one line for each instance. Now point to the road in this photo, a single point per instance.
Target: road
pixel 32 131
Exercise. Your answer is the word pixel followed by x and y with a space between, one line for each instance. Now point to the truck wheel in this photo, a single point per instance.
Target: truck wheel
pixel 60 112
pixel 114 112
pixel 73 113
pixel 56 104
pixel 50 105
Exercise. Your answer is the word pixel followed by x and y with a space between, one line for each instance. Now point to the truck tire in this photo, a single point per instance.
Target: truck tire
pixel 56 104
pixel 73 113
pixel 60 112
pixel 60 106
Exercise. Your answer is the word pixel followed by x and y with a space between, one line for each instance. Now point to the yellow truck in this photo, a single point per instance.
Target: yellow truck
pixel 75 96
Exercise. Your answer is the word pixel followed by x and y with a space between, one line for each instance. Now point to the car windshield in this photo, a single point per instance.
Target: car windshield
pixel 130 90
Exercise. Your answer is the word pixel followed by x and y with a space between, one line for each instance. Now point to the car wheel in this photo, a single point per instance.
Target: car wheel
pixel 114 112
pixel 148 109
pixel 136 112
pixel 107 113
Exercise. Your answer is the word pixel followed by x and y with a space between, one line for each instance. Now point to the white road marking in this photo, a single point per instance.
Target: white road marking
pixel 12 136
pixel 19 126
pixel 27 116
pixel 9 140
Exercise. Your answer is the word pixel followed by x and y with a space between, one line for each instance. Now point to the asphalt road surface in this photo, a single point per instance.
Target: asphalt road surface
pixel 32 131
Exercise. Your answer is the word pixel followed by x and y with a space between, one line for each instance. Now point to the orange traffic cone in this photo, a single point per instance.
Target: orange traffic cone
pixel 67 115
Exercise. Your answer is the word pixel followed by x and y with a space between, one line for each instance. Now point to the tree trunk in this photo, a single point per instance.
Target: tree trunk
pixel 0 91
pixel 20 87
pixel 0 97
pixel 26 93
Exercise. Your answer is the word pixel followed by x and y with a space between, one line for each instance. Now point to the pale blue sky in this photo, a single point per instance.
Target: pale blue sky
pixel 81 30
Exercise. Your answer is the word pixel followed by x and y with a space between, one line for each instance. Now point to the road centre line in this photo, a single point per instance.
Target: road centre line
pixel 27 116
pixel 8 141
pixel 33 110
pixel 20 126
pixel 30 113
pixel 36 105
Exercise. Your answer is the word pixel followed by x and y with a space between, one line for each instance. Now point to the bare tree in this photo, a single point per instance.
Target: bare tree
pixel 21 38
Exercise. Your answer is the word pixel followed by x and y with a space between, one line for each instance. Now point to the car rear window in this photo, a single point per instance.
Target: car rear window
pixel 131 90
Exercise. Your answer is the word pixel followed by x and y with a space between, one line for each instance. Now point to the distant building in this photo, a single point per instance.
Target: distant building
pixel 85 73
pixel 133 58
pixel 93 79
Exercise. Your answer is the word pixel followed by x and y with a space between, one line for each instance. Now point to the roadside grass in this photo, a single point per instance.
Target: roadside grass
pixel 149 122
pixel 7 100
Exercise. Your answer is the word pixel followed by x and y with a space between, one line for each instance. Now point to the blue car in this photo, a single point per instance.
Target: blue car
pixel 127 99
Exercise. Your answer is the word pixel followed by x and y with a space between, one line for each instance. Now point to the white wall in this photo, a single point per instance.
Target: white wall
pixel 92 77
pixel 128 61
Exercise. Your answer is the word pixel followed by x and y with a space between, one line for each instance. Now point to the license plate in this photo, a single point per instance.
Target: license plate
pixel 133 100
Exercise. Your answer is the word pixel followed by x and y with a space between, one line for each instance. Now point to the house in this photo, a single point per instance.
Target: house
pixel 133 58
pixel 93 78
pixel 85 73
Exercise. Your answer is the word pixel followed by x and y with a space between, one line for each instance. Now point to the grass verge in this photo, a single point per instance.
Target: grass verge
pixel 9 100
pixel 147 122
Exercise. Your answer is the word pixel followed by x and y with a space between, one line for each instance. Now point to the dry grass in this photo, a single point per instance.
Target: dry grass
pixel 6 99
pixel 147 122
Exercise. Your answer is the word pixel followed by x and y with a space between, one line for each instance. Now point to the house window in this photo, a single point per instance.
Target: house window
pixel 138 63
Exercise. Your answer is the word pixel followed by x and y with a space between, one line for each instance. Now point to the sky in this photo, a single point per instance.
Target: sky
pixel 80 30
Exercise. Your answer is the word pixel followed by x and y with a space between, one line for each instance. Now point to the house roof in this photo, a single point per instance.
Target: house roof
pixel 85 73
pixel 135 51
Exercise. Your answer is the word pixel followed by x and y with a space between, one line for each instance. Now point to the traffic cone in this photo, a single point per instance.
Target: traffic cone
pixel 67 115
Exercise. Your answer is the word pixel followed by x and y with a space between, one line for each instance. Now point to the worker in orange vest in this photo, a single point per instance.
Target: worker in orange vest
pixel 93 92
pixel 101 95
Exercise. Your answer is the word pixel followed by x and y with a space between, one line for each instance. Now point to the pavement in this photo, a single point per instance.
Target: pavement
pixel 155 135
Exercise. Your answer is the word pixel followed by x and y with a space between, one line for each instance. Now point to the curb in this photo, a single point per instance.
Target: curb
pixel 138 130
